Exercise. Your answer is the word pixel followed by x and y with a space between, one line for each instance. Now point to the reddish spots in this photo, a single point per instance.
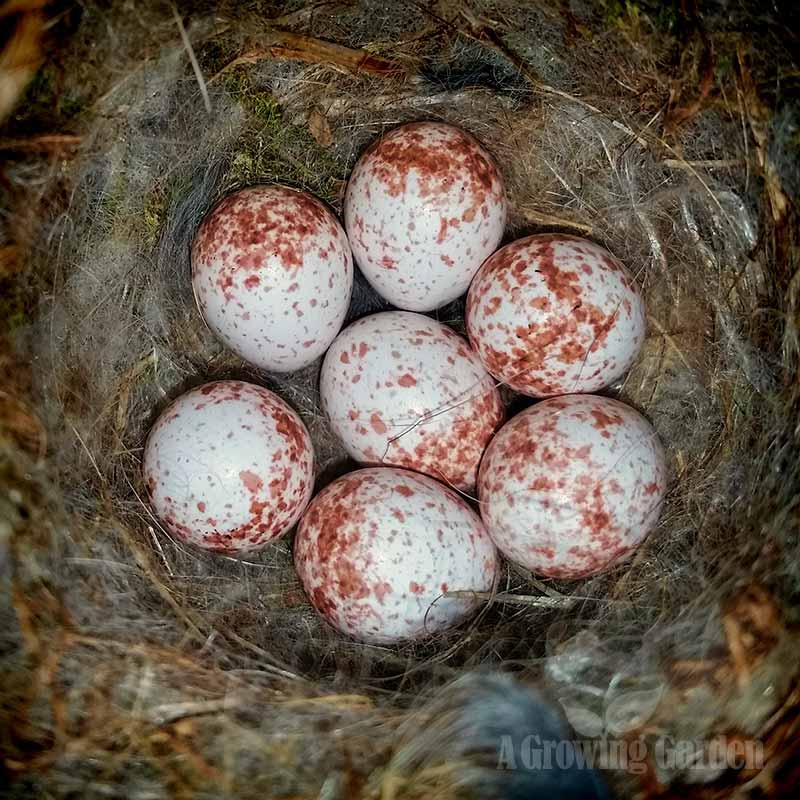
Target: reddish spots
pixel 377 423
pixel 398 515
pixel 464 406
pixel 604 420
pixel 542 485
pixel 259 223
pixel 406 491
pixel 351 583
pixel 323 602
pixel 340 514
pixel 353 414
pixel 381 590
pixel 566 312
pixel 251 281
pixel 442 230
pixel 225 284
pixel 439 155
pixel 416 588
pixel 251 481
pixel 572 352
pixel 309 343
pixel 344 358
pixel 201 507
pixel 444 588
pixel 595 521
pixel 493 305
pixel 363 349
pixel 387 262
pixel 652 488
pixel 292 431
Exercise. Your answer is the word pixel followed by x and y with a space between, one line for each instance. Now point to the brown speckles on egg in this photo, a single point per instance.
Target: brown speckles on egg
pixel 374 568
pixel 222 484
pixel 554 314
pixel 424 206
pixel 572 485
pixel 253 251
pixel 430 404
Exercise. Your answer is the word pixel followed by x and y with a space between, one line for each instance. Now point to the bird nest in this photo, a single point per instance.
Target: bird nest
pixel 135 667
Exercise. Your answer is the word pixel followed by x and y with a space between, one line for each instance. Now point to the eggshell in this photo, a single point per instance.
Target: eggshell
pixel 229 467
pixel 377 549
pixel 554 314
pixel 400 388
pixel 273 274
pixel 424 207
pixel 569 487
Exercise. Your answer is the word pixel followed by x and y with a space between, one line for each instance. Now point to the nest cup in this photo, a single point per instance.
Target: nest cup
pixel 141 668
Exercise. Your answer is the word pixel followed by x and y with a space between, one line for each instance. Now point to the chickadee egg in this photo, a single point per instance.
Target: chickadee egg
pixel 400 388
pixel 424 207
pixel 378 548
pixel 273 274
pixel 554 314
pixel 229 467
pixel 572 485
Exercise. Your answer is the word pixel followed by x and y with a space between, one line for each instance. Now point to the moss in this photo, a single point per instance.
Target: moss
pixel 153 215
pixel 273 148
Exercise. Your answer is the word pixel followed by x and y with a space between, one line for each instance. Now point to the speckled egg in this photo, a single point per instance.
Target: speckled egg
pixel 378 548
pixel 229 467
pixel 273 273
pixel 570 487
pixel 400 388
pixel 424 207
pixel 554 314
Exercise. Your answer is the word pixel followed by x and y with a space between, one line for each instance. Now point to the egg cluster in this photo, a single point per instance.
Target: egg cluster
pixel 567 488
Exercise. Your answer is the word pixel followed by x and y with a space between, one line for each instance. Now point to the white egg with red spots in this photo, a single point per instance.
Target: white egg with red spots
pixel 229 467
pixel 553 314
pixel 400 388
pixel 378 548
pixel 273 273
pixel 572 485
pixel 424 207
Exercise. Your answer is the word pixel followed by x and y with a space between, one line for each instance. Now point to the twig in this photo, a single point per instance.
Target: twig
pixel 712 163
pixel 193 59
pixel 295 46
pixel 172 712
pixel 517 599
pixel 541 218
pixel 47 141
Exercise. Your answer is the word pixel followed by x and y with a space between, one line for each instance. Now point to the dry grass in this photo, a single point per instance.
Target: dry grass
pixel 138 668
